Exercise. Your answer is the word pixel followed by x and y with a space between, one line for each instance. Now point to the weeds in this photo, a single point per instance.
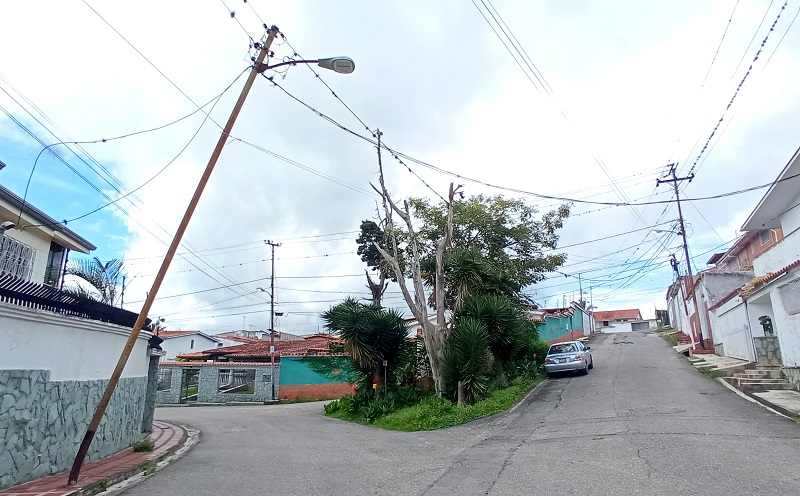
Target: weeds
pixel 144 445
pixel 150 467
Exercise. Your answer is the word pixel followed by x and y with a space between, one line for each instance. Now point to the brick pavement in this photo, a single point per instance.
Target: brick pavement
pixel 167 438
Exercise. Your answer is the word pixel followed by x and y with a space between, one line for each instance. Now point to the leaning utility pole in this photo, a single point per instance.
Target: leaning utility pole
pixel 675 180
pixel 272 318
pixel 173 247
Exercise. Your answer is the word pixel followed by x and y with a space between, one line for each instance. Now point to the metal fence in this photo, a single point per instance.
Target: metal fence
pixel 17 291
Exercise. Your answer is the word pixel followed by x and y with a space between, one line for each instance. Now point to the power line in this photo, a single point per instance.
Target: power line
pixel 738 88
pixel 720 44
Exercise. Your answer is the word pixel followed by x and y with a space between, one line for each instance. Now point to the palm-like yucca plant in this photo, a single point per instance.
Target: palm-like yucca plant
pixel 371 334
pixel 105 279
pixel 465 360
pixel 467 272
pixel 502 320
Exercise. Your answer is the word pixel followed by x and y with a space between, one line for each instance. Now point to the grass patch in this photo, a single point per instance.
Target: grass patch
pixel 712 373
pixel 437 413
pixel 145 445
pixel 670 338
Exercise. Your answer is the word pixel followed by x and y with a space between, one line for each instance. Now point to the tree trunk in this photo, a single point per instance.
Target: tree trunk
pixel 460 400
pixel 376 288
pixel 434 335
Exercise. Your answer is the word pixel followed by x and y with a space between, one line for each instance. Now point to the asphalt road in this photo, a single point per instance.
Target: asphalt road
pixel 642 422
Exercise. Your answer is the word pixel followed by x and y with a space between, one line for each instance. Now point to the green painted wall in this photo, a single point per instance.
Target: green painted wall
pixel 316 370
pixel 554 328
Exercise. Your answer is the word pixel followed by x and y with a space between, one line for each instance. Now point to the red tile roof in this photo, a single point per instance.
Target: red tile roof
pixel 315 344
pixel 609 315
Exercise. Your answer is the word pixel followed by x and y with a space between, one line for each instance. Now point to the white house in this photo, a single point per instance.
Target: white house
pixel 180 342
pixel 775 290
pixel 621 321
pixel 33 245
pixel 58 353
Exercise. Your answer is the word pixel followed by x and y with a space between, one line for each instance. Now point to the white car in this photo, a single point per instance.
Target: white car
pixel 569 356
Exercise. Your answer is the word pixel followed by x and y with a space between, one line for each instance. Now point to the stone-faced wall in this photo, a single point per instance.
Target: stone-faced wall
pixel 42 422
pixel 209 381
pixel 768 350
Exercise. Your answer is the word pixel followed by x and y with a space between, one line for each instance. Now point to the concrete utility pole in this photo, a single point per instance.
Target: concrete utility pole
pixel 272 317
pixel 173 248
pixel 675 180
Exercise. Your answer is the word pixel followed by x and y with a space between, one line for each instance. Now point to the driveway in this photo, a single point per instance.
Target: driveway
pixel 642 422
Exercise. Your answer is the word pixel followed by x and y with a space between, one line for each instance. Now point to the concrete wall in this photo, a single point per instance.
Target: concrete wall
pixel 790 221
pixel 71 348
pixel 556 329
pixel 616 327
pixel 191 343
pixel 53 370
pixel 781 255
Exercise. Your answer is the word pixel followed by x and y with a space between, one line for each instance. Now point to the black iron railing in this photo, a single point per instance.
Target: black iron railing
pixel 20 292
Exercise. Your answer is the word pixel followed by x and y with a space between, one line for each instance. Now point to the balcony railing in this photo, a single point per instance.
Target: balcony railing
pixel 17 291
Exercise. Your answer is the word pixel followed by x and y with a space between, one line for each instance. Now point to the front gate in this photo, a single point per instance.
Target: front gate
pixel 189 385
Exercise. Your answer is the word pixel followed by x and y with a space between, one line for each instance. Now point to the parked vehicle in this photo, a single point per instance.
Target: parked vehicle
pixel 570 356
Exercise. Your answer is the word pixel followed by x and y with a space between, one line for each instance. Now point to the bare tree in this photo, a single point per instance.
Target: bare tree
pixel 433 333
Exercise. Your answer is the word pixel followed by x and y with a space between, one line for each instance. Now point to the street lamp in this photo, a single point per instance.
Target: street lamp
pixel 657 231
pixel 342 65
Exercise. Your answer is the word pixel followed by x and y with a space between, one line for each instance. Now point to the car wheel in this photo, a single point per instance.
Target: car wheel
pixel 591 364
pixel 585 370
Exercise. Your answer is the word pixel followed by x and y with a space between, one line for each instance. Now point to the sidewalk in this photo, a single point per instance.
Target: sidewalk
pixel 107 471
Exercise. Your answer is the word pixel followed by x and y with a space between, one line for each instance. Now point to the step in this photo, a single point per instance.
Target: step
pixel 772 374
pixel 767 367
pixel 767 386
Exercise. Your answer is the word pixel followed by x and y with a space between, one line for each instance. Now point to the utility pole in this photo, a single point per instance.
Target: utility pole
pixel 272 317
pixel 173 248
pixel 675 180
pixel 580 288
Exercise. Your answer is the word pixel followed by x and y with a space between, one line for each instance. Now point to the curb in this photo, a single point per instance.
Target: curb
pixel 118 483
pixel 759 401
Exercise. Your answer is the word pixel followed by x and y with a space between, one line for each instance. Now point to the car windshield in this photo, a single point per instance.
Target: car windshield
pixel 562 348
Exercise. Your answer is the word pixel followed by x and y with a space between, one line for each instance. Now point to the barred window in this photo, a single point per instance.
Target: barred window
pixel 16 258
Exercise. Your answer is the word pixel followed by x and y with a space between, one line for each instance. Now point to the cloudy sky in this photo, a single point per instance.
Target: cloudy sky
pixel 620 90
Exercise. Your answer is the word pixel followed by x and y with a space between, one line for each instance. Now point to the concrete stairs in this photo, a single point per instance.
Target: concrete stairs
pixel 685 339
pixel 759 379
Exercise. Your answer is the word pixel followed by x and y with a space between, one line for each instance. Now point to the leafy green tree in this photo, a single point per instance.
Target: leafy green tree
pixel 507 232
pixel 369 239
pixel 104 279
pixel 371 335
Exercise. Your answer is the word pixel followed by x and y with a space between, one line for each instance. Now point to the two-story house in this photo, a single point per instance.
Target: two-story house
pixel 34 246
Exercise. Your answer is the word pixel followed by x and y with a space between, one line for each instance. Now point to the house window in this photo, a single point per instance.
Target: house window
pixel 16 258
pixel 191 345
pixel 55 260
pixel 605 323
pixel 764 236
